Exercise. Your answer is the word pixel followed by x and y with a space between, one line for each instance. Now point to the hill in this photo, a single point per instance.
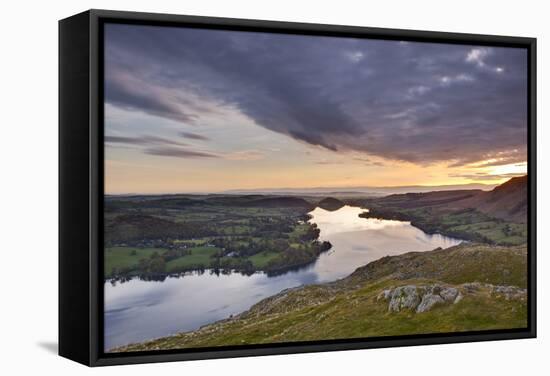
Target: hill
pixel 462 288
pixel 330 204
pixel 507 201
pixel 279 202
pixel 138 227
pixel 498 216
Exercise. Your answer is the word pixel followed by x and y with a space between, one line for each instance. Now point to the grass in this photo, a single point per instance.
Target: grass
pixel 349 308
pixel 126 257
pixel 197 221
pixel 460 264
pixel 467 224
pixel 298 231
pixel 260 260
pixel 199 257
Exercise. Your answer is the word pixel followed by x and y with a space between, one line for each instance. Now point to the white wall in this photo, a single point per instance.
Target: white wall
pixel 28 155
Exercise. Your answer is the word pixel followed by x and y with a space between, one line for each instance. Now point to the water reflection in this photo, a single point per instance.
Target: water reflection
pixel 138 310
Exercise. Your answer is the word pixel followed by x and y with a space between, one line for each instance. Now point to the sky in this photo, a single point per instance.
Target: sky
pixel 197 110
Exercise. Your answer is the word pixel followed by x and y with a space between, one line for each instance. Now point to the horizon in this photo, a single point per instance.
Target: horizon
pixel 240 110
pixel 268 190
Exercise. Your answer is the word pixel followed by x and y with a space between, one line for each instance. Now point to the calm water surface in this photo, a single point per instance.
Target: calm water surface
pixel 137 310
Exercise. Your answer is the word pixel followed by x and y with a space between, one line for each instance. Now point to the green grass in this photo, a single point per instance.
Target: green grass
pixel 459 264
pixel 124 257
pixel 260 260
pixel 298 231
pixel 200 257
pixel 349 308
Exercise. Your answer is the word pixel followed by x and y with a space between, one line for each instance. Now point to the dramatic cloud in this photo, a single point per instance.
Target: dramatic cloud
pixel 416 102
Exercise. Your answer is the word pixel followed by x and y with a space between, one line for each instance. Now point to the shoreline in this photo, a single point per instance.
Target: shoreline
pixel 460 258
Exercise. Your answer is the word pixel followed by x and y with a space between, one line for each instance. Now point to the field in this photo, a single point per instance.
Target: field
pixel 153 236
pixel 118 258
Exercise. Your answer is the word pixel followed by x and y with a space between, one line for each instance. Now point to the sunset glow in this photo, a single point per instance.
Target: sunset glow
pixel 310 112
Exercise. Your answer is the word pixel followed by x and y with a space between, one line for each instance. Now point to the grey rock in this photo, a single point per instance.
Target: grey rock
pixel 404 297
pixel 510 292
pixel 428 301
pixel 449 293
pixel 385 295
pixel 472 287
pixel 458 298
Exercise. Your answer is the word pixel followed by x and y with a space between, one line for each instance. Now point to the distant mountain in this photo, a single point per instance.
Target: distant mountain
pixel 279 202
pixel 507 201
pixel 425 199
pixel 361 191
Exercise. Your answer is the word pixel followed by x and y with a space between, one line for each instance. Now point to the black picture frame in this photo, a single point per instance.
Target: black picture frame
pixel 81 186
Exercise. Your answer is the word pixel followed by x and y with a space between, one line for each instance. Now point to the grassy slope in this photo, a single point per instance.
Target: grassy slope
pixel 497 217
pixel 462 223
pixel 350 308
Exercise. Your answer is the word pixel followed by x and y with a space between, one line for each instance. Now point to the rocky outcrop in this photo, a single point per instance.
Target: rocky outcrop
pixel 422 298
pixel 404 297
pixel 509 292
pixel 419 298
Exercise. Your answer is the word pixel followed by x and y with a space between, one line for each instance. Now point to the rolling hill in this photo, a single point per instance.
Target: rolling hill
pixel 507 201
pixel 330 204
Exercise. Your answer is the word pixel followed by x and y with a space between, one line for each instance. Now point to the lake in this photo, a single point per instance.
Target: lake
pixel 138 310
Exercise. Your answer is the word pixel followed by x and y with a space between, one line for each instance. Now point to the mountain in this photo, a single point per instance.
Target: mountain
pixel 361 191
pixel 507 201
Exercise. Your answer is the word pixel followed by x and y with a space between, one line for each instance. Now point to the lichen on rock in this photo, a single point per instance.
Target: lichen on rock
pixel 404 297
pixel 428 301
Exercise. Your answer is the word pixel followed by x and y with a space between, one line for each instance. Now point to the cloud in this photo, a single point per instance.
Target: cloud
pixel 128 92
pixel 179 153
pixel 142 140
pixel 329 162
pixel 194 136
pixel 355 56
pixel 417 102
pixel 245 155
pixel 477 56
pixel 160 146
pixel 480 176
pixel 492 159
pixel 369 162
pixel 449 80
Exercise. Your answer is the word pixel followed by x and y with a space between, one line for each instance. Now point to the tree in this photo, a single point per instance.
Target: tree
pixel 157 265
